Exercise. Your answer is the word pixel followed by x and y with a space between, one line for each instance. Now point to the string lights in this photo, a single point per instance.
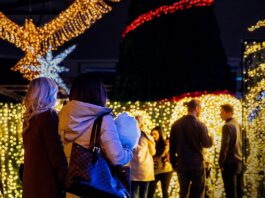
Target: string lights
pixel 164 10
pixel 254 117
pixel 165 112
pixel 35 41
pixel 49 66
pixel 11 151
pixel 253 47
pixel 162 113
pixel 258 25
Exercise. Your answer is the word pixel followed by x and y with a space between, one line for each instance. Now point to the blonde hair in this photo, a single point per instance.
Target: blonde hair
pixel 40 97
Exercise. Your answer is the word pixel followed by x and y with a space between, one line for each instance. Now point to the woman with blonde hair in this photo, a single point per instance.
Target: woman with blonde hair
pixel 142 164
pixel 45 164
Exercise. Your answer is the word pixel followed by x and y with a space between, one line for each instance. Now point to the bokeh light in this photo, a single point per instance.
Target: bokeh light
pixel 162 113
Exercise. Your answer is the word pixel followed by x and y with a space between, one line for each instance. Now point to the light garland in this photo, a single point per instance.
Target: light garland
pixel 165 112
pixel 253 47
pixel 11 151
pixel 164 10
pixel 162 113
pixel 35 41
pixel 114 1
pixel 258 25
pixel 257 72
pixel 49 66
pixel 254 117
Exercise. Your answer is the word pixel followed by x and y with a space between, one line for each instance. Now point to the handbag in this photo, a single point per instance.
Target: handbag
pixel 90 174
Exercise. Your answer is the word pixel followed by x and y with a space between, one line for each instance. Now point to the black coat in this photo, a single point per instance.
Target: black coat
pixel 45 164
pixel 231 145
pixel 188 137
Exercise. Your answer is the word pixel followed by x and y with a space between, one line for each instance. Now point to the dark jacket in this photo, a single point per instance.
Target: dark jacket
pixel 187 138
pixel 45 164
pixel 231 146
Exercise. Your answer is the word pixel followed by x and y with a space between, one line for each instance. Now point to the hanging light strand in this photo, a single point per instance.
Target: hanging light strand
pixel 258 25
pixel 163 10
pixel 35 41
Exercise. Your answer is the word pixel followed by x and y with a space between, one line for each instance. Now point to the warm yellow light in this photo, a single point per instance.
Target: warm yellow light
pixel 258 25
pixel 254 116
pixel 11 153
pixel 35 41
pixel 164 113
pixel 253 47
pixel 155 113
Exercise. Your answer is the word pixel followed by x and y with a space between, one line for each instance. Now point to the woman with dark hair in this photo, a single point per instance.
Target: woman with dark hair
pixel 45 165
pixel 162 166
pixel 87 102
pixel 88 89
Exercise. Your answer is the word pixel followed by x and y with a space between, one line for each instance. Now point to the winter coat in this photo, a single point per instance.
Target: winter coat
pixel 142 164
pixel 75 124
pixel 77 117
pixel 45 165
pixel 188 137
pixel 231 145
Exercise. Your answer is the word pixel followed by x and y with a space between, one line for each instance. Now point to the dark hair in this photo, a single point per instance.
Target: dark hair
pixel 160 143
pixel 192 104
pixel 89 89
pixel 228 108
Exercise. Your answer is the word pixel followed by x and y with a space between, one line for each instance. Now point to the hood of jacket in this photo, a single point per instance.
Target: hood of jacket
pixel 76 117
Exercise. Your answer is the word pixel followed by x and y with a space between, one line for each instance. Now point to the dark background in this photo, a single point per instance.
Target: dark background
pixel 102 40
pixel 98 47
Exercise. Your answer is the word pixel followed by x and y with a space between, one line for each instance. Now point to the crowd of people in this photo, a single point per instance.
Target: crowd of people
pixel 48 138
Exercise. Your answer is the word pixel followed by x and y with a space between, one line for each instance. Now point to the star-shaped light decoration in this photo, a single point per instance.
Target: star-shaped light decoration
pixel 70 23
pixel 49 66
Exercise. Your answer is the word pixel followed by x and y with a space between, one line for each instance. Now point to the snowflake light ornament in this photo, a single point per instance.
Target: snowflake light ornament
pixel 49 66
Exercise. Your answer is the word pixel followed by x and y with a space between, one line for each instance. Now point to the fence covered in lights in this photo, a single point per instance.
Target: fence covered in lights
pixel 162 113
pixel 254 116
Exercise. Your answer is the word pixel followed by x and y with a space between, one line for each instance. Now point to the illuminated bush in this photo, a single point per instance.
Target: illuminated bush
pixel 254 117
pixel 155 113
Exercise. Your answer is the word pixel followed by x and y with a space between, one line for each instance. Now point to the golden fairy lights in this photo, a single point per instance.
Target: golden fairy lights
pixel 257 72
pixel 253 47
pixel 258 25
pixel 162 113
pixel 254 117
pixel 36 40
pixel 165 113
pixel 11 151
pixel 210 115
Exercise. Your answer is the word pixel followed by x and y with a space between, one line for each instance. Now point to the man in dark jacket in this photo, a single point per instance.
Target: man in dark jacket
pixel 230 159
pixel 187 139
